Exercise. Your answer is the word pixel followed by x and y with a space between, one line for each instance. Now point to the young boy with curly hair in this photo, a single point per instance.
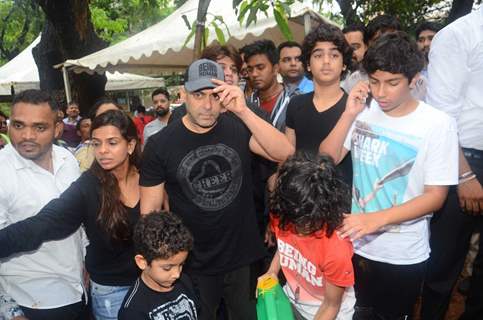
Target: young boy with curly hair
pixel 162 244
pixel 404 155
pixel 307 207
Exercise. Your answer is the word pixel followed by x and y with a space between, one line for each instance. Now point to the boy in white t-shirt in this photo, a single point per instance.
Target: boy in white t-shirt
pixel 404 155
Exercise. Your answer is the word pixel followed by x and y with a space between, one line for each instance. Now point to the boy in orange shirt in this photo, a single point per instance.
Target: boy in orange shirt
pixel 307 207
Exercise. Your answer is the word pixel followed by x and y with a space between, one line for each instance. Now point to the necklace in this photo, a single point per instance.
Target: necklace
pixel 271 96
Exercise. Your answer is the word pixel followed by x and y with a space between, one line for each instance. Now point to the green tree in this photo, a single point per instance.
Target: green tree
pixel 410 13
pixel 20 23
pixel 116 20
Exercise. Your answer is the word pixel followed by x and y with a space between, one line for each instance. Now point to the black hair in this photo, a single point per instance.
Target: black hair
pixel 358 26
pixel 113 215
pixel 394 53
pixel 327 33
pixel 73 102
pixel 216 51
pixel 265 46
pixel 428 25
pixel 309 195
pixel 382 23
pixel 162 91
pixel 99 102
pixel 78 124
pixel 36 97
pixel 288 44
pixel 141 109
pixel 161 235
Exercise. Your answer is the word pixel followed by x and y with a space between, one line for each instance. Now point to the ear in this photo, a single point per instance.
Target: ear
pixel 275 68
pixel 140 261
pixel 131 145
pixel 58 128
pixel 413 82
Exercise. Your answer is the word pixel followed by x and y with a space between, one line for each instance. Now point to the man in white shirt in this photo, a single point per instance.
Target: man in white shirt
pixel 47 282
pixel 455 86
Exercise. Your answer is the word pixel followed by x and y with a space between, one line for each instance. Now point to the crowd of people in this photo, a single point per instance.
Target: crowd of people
pixel 348 166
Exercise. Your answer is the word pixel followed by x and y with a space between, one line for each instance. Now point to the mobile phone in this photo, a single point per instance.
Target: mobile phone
pixel 368 99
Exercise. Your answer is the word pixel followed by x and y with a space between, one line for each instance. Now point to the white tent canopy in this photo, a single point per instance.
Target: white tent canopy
pixel 160 47
pixel 21 72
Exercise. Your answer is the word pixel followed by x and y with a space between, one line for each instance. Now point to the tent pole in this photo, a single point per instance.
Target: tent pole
pixel 306 23
pixel 200 28
pixel 68 94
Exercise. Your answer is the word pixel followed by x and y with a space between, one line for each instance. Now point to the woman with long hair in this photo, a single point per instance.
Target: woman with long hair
pixel 105 200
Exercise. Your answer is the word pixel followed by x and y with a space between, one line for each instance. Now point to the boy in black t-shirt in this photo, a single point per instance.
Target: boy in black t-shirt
pixel 162 243
pixel 327 57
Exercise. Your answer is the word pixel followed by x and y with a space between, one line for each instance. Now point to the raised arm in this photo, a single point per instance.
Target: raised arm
pixel 266 140
pixel 333 145
pixel 57 220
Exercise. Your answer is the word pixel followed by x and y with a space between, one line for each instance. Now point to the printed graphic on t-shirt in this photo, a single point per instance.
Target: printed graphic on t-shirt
pixel 180 309
pixel 211 176
pixel 293 260
pixel 382 159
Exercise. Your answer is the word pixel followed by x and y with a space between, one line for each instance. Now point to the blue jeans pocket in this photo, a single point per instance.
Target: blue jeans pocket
pixel 107 300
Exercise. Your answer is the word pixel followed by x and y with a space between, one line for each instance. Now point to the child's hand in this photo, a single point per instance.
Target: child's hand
pixel 270 274
pixel 356 101
pixel 269 237
pixel 355 226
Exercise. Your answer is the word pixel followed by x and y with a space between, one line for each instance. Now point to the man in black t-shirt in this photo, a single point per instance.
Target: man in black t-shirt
pixel 310 117
pixel 203 160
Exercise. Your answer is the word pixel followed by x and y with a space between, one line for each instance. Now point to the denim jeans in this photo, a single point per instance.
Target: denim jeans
pixel 107 300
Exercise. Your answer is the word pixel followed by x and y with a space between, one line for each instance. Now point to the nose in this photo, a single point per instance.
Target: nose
pixel 427 43
pixel 228 72
pixel 176 272
pixel 253 73
pixel 29 134
pixel 326 58
pixel 379 91
pixel 102 148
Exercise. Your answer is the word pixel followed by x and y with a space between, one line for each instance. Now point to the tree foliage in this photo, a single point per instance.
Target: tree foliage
pixel 410 13
pixel 20 23
pixel 116 20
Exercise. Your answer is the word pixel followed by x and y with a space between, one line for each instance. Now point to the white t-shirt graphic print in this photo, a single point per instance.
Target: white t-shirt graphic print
pixel 393 159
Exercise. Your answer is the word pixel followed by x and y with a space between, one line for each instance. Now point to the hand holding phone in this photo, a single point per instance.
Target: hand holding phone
pixel 358 98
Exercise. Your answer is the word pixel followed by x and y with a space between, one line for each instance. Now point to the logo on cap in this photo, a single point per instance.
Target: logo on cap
pixel 207 69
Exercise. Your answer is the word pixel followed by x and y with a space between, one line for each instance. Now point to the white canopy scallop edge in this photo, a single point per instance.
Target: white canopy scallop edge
pixel 21 72
pixel 160 48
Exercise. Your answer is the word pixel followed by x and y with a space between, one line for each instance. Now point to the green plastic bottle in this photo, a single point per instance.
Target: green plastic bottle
pixel 272 303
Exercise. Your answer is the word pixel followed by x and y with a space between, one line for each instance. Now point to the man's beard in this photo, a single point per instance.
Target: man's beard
pixel 162 112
